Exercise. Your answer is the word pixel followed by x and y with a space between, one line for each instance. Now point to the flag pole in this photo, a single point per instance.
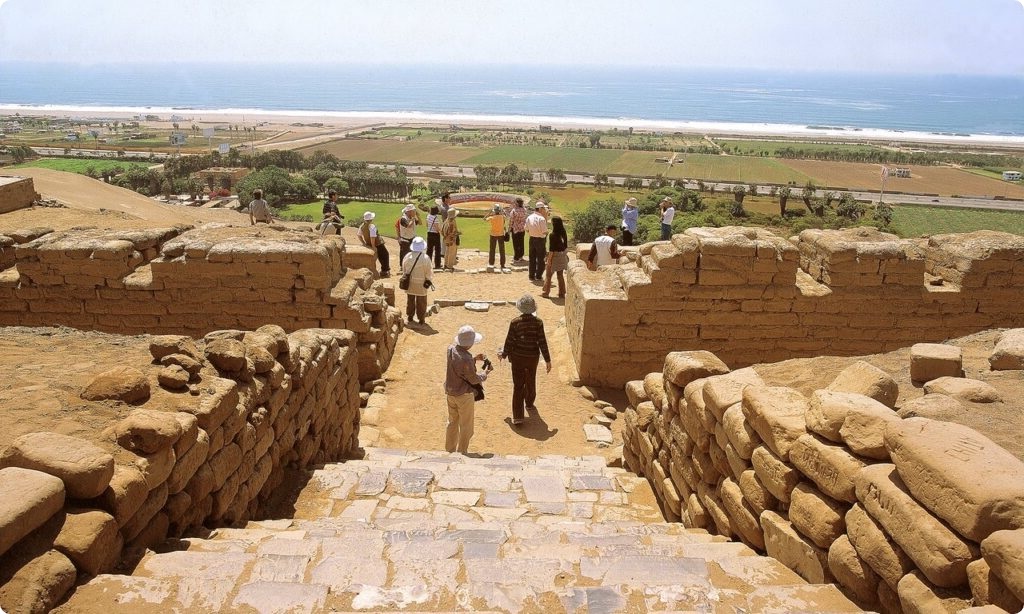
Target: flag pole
pixel 881 191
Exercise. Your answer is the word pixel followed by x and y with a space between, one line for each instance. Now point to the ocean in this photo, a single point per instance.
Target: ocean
pixel 959 107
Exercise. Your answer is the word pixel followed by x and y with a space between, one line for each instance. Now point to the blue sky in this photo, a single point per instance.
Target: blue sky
pixel 929 36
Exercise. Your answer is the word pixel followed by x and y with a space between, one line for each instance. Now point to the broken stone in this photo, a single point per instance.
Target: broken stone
pixel 165 345
pixel 125 384
pixel 85 468
pixel 173 377
pixel 28 499
pixel 597 433
pixel 147 431
pixel 930 361
pixel 1004 553
pixel 1009 351
pixel 777 414
pixel 868 380
pixel 681 368
pixel 226 354
pixel 970 390
pixel 479 307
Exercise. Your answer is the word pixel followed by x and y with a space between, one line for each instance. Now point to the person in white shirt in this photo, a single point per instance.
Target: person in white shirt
pixel 259 210
pixel 407 230
pixel 434 222
pixel 369 237
pixel 537 230
pixel 605 249
pixel 668 213
pixel 417 266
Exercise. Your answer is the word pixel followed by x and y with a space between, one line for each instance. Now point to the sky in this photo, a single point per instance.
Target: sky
pixel 902 36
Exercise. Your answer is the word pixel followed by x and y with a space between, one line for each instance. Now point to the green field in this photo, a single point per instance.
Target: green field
pixel 735 168
pixel 389 151
pixel 771 148
pixel 918 220
pixel 541 158
pixel 72 165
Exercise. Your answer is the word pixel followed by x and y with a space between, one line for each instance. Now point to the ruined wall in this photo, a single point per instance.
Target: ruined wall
pixel 191 281
pixel 911 515
pixel 750 296
pixel 16 193
pixel 207 431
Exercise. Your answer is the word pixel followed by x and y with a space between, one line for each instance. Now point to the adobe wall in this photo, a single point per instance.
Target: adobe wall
pixel 16 193
pixel 750 296
pixel 904 515
pixel 203 436
pixel 191 281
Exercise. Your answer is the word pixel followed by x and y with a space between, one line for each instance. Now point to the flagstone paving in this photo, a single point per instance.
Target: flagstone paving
pixel 430 531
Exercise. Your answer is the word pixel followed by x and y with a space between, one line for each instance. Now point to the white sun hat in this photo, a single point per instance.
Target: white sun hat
pixel 467 336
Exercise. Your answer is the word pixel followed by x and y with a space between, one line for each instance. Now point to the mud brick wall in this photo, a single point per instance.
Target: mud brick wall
pixel 16 193
pixel 750 296
pixel 208 431
pixel 191 281
pixel 910 515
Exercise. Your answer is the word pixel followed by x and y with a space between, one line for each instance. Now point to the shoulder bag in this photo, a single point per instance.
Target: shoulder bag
pixel 403 282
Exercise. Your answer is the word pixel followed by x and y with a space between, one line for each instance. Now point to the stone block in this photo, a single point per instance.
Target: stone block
pixel 988 589
pixel 720 392
pixel 964 389
pixel 125 493
pixel 929 361
pixel 829 466
pixel 146 431
pixel 166 345
pixel 783 543
pixel 828 409
pixel 740 433
pixel 868 380
pixel 876 548
pixel 84 467
pixel 939 552
pixel 1004 553
pixel 1009 351
pixel 755 493
pixel 779 477
pixel 654 386
pixel 816 516
pixel 90 538
pixel 636 393
pixel 27 500
pixel 156 467
pixel 918 596
pixel 681 368
pixel 959 474
pixel 39 585
pixel 126 384
pixel 741 517
pixel 777 414
pixel 852 572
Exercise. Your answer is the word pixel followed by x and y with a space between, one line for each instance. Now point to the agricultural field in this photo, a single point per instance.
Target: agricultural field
pixel 918 220
pixel 540 158
pixel 391 151
pixel 991 173
pixel 941 180
pixel 72 165
pixel 735 168
pixel 771 148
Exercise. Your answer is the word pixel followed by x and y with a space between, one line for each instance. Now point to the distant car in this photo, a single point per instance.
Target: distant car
pixel 935 200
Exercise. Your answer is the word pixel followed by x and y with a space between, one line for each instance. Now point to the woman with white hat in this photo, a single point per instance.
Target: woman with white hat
pixel 416 267
pixel 525 343
pixel 406 228
pixel 371 238
pixel 630 215
pixel 461 379
pixel 450 238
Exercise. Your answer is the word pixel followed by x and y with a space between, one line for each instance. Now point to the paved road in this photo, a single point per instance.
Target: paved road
pixel 440 171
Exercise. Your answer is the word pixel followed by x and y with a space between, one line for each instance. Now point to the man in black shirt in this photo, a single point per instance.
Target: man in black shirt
pixel 332 217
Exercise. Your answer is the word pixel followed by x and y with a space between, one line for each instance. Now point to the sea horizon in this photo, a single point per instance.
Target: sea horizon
pixel 947 108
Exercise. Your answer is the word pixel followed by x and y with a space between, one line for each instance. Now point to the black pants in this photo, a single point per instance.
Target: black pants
pixel 498 242
pixel 404 247
pixel 517 245
pixel 537 254
pixel 434 248
pixel 524 383
pixel 627 237
pixel 383 257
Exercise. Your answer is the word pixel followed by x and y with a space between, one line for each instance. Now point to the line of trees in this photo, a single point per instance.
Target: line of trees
pixel 877 155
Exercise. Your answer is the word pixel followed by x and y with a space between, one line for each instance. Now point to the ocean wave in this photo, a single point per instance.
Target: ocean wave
pixel 583 122
pixel 528 94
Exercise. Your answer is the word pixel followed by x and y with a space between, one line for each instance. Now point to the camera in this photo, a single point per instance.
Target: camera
pixel 487 366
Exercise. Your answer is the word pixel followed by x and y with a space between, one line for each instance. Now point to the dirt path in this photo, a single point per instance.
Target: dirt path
pixel 415 414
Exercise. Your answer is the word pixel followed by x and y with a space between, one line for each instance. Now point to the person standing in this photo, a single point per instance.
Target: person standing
pixel 496 219
pixel 517 226
pixel 443 205
pixel 259 210
pixel 460 377
pixel 434 221
pixel 668 213
pixel 371 238
pixel 537 228
pixel 332 217
pixel 605 250
pixel 558 257
pixel 417 267
pixel 525 343
pixel 407 230
pixel 450 239
pixel 630 215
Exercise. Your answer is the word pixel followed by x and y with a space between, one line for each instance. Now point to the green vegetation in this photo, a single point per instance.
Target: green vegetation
pixel 74 165
pixel 772 149
pixel 918 220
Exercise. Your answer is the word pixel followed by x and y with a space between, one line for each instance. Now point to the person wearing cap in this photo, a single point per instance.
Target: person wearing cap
pixel 417 266
pixel 668 213
pixel 517 226
pixel 496 219
pixel 369 237
pixel 460 377
pixel 525 343
pixel 630 215
pixel 537 228
pixel 332 217
pixel 604 250
pixel 434 221
pixel 450 239
pixel 407 229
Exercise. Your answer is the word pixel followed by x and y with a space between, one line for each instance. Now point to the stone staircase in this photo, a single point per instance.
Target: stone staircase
pixel 430 531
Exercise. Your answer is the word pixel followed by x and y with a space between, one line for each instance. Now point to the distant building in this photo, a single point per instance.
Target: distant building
pixel 544 128
pixel 222 177
pixel 1012 176
pixel 900 172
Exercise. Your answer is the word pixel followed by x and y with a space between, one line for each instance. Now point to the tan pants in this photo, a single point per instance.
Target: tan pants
pixel 449 256
pixel 460 422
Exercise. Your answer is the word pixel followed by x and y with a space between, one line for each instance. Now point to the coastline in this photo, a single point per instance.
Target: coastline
pixel 341 120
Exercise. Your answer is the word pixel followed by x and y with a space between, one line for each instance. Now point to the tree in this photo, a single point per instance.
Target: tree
pixel 738 194
pixel 595 139
pixel 633 184
pixel 700 185
pixel 883 213
pixel 600 180
pixel 808 194
pixel 337 184
pixel 486 176
pixel 783 197
pixel 849 207
pixel 320 174
pixel 752 189
pixel 555 175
